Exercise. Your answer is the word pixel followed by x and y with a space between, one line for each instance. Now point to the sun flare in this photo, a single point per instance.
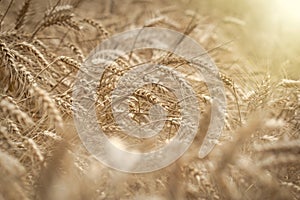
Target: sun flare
pixel 288 11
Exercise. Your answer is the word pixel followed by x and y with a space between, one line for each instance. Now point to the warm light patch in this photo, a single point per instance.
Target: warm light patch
pixel 288 11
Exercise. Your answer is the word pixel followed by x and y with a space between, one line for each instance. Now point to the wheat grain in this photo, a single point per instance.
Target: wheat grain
pixel 56 10
pixel 13 127
pixel 48 104
pixel 31 48
pixel 35 149
pixel 11 109
pixel 60 19
pixel 68 61
pixel 9 58
pixel 25 60
pixel 97 25
pixel 5 142
pixel 77 51
pixel 291 185
pixel 52 135
pixel 289 83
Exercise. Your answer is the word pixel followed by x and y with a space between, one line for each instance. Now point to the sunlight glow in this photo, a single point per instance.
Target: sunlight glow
pixel 288 11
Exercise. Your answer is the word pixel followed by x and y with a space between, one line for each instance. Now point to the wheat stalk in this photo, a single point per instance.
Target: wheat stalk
pixel 22 14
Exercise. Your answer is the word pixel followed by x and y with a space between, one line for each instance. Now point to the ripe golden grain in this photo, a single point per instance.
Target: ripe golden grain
pixel 259 161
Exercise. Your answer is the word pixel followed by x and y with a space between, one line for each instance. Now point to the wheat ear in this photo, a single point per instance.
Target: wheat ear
pixel 12 109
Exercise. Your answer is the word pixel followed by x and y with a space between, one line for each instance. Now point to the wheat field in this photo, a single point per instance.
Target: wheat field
pixel 42 47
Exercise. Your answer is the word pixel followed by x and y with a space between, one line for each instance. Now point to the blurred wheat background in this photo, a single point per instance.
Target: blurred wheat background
pixel 256 47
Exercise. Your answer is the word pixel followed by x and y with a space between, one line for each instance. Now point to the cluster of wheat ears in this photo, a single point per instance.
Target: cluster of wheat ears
pixel 42 46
